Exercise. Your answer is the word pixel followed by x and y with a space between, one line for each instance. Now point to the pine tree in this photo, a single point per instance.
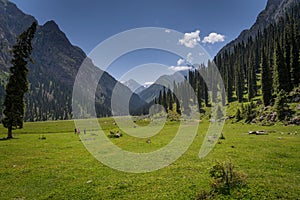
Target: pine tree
pixel 170 99
pixel 178 109
pixel 280 76
pixel 295 57
pixel 239 82
pixel 160 98
pixel 164 101
pixel 266 82
pixel 280 104
pixel 251 79
pixel 238 115
pixel 17 84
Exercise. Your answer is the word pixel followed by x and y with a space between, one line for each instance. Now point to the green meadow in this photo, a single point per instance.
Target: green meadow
pixel 46 160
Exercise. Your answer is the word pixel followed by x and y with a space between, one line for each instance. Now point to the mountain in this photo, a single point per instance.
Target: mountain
pixel 134 86
pixel 165 81
pixel 261 68
pixel 274 10
pixel 56 63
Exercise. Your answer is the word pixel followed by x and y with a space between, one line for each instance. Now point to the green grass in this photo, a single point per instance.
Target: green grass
pixel 59 167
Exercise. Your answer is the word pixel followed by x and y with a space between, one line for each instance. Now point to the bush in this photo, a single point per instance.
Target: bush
pixel 226 178
pixel 42 137
pixel 204 195
pixel 222 137
pixel 173 116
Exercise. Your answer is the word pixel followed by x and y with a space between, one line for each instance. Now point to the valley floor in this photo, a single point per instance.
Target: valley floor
pixel 46 160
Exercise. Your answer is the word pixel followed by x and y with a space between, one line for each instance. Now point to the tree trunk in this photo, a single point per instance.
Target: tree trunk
pixel 9 133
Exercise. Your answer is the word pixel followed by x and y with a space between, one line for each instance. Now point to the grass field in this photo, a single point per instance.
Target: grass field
pixel 59 167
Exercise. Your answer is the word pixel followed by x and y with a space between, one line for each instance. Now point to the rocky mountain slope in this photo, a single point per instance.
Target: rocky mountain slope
pixel 273 11
pixel 56 62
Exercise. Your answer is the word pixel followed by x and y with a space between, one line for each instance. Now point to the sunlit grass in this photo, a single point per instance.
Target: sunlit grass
pixel 59 167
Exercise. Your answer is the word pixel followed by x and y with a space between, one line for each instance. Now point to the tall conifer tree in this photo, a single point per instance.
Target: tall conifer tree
pixel 17 85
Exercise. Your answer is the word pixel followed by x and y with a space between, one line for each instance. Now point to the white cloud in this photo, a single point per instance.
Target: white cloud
pixel 179 68
pixel 180 61
pixel 168 31
pixel 213 38
pixel 189 57
pixel 190 40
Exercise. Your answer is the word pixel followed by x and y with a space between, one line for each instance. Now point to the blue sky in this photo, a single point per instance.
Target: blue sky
pixel 89 22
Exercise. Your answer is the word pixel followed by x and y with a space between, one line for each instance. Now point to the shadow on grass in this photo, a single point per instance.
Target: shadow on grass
pixel 6 139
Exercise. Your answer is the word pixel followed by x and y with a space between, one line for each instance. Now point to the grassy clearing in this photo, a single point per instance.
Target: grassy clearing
pixel 59 167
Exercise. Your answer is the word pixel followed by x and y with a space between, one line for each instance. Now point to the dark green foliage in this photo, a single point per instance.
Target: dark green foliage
pixel 251 78
pixel 249 112
pixel 178 108
pixel 220 114
pixel 266 82
pixel 246 111
pixel 222 137
pixel 272 54
pixel 173 115
pixel 170 103
pixel 281 105
pixel 226 178
pixel 186 93
pixel 238 115
pixel 164 100
pixel 17 84
pixel 280 75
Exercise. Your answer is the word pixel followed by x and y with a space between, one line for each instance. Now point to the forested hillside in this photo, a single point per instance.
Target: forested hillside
pixel 269 60
pixel 261 74
pixel 51 76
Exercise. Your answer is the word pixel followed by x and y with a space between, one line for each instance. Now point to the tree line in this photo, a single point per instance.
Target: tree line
pixel 268 62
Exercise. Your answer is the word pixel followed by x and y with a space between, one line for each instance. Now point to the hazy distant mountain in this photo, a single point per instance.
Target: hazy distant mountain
pixel 166 81
pixel 56 62
pixel 273 11
pixel 134 86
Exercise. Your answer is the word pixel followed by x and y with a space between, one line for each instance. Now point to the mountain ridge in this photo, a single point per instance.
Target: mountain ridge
pixel 56 63
pixel 272 12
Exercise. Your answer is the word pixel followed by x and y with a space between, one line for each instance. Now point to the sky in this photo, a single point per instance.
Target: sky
pixel 209 23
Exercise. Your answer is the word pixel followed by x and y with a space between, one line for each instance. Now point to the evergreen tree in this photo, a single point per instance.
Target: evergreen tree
pixel 266 82
pixel 17 84
pixel 164 101
pixel 280 104
pixel 178 109
pixel 160 98
pixel 251 79
pixel 239 82
pixel 280 79
pixel 295 56
pixel 170 99
pixel 238 115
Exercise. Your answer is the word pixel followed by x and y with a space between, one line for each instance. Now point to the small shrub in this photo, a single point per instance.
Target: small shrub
pixel 42 137
pixel 205 195
pixel 222 137
pixel 173 116
pixel 226 178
